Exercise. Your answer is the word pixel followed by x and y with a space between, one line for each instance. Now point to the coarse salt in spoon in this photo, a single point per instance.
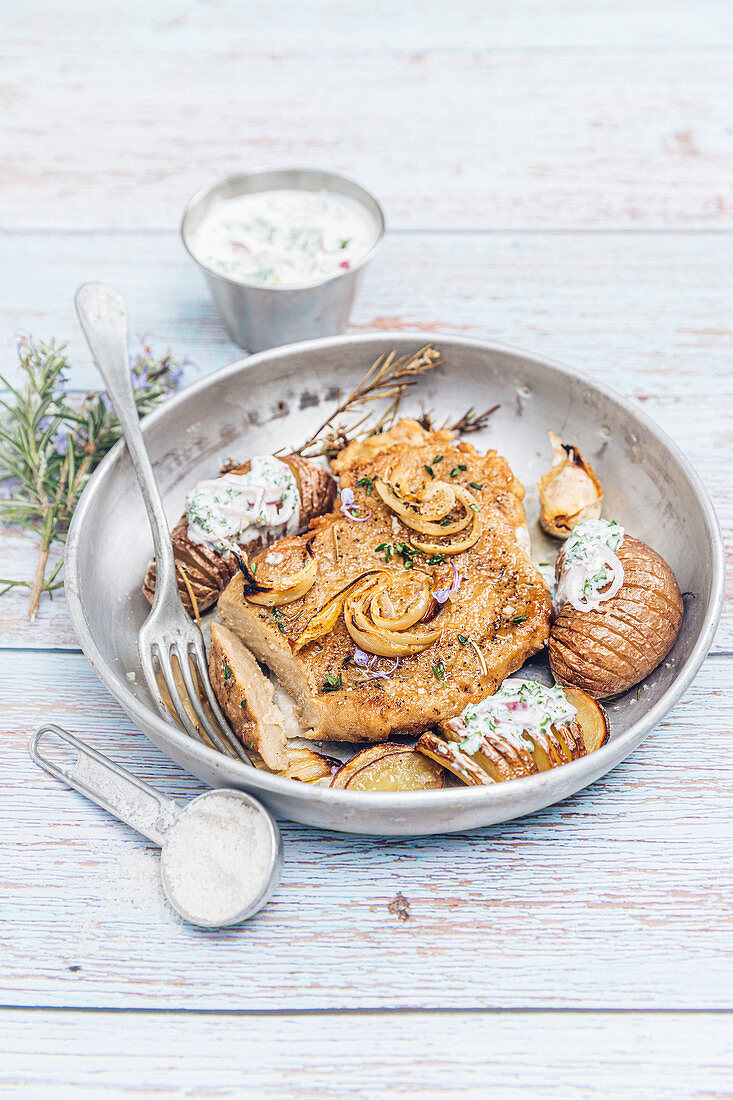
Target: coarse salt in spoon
pixel 221 853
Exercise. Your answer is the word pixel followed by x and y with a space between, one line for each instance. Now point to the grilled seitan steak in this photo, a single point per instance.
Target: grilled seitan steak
pixel 246 696
pixel 497 617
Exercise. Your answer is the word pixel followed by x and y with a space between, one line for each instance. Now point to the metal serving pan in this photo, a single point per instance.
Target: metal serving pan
pixel 275 399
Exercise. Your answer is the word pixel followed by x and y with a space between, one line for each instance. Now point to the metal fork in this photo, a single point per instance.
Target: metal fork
pixel 168 631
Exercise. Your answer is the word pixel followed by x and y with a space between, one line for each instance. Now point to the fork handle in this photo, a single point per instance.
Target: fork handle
pixel 103 318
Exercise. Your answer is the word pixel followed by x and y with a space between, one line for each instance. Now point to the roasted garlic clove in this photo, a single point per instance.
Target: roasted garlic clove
pixel 569 491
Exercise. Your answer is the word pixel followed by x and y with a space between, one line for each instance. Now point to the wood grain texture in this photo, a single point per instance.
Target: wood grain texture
pixel 594 301
pixel 473 139
pixel 306 25
pixel 616 898
pixel 545 1056
pixel 533 160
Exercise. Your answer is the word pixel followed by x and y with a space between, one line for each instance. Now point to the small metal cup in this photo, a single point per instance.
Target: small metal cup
pixel 259 317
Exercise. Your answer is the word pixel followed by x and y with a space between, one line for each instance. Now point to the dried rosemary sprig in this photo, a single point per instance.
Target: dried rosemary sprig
pixel 50 445
pixel 472 421
pixel 387 379
pixel 469 422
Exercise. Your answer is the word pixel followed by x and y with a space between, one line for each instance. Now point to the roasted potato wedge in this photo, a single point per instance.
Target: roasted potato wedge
pixel 569 492
pixel 388 767
pixel 202 573
pixel 611 649
pixel 450 756
pixel 497 760
pixel 592 719
pixel 245 695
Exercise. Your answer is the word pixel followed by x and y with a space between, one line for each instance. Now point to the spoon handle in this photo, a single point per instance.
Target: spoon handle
pixel 116 790
pixel 103 318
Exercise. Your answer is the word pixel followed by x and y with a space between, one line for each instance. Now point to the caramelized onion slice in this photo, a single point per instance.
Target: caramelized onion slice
pixel 421 511
pixel 290 588
pixel 434 501
pixel 415 611
pixel 449 548
pixel 359 611
pixel 326 618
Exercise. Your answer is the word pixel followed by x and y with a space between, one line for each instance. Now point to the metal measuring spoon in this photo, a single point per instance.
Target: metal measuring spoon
pixel 152 814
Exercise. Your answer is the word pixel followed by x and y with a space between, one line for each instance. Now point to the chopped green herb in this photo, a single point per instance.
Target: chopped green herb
pixel 227 671
pixel 243 704
pixel 519 618
pixel 346 661
pixel 473 507
pixel 463 639
pixel 638 692
pixel 388 550
pixel 436 559
pixel 454 472
pixel 253 566
pixel 333 683
pixel 439 670
pixel 438 458
pixel 407 553
pixel 545 564
pixel 366 483
pixel 445 522
pixel 475 485
pixel 429 469
pixel 278 617
pixel 345 243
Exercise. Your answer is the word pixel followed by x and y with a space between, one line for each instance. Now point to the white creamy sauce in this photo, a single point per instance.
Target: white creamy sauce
pixel 591 570
pixel 284 238
pixel 520 712
pixel 234 508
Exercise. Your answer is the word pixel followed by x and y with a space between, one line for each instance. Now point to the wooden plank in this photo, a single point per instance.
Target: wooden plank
pixel 633 309
pixel 556 294
pixel 445 138
pixel 470 24
pixel 617 898
pixel 357 1055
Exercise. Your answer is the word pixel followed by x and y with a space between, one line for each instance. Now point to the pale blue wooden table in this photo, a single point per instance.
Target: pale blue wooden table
pixel 556 176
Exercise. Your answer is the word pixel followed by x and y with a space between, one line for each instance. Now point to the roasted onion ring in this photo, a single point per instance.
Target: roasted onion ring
pixel 387 637
pixel 422 511
pixel 287 590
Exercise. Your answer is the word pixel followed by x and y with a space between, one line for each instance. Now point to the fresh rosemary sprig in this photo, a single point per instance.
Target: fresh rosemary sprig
pixel 49 446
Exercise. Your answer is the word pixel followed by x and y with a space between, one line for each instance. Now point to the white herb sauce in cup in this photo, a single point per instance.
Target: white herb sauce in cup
pixel 283 238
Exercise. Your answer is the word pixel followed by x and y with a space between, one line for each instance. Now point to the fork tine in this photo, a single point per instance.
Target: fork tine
pixel 146 661
pixel 166 668
pixel 214 733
